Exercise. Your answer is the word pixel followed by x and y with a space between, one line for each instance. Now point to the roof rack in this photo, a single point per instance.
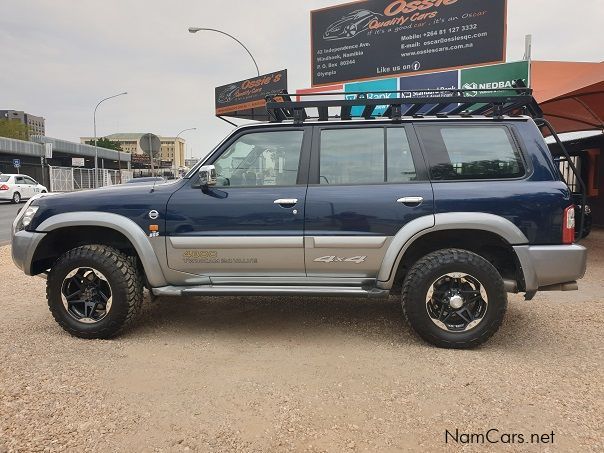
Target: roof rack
pixel 491 103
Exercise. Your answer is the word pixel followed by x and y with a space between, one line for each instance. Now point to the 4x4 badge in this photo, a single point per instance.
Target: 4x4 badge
pixel 153 215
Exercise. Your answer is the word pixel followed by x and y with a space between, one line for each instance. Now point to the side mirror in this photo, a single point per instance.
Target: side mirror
pixel 207 176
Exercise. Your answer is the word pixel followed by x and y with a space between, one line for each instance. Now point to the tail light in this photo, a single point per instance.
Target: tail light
pixel 4 187
pixel 568 225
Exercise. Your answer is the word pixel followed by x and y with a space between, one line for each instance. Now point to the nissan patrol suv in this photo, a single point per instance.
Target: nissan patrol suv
pixel 447 203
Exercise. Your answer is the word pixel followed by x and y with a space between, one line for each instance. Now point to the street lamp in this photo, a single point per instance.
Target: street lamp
pixel 176 142
pixel 96 150
pixel 196 29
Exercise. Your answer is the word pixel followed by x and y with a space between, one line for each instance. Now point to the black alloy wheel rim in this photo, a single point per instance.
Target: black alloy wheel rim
pixel 86 295
pixel 457 302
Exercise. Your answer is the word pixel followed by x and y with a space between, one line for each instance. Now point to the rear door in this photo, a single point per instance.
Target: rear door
pixel 366 183
pixel 22 187
pixel 32 186
pixel 251 223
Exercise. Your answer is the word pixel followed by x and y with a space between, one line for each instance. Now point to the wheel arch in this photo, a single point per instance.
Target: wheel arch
pixel 450 230
pixel 66 231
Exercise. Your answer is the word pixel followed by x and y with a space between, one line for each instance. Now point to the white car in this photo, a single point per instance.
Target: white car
pixel 19 187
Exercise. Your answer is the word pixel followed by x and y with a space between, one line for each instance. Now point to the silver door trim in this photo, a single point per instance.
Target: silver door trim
pixel 236 242
pixel 346 242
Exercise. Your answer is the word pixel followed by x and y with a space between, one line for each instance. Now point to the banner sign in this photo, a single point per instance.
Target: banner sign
pixel 436 81
pixel 375 85
pixel 247 98
pixel 494 77
pixel 385 38
pixel 78 162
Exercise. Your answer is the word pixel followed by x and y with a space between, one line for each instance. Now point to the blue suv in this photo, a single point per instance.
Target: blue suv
pixel 450 212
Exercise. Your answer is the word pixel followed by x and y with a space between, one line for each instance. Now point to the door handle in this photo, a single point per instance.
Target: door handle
pixel 412 202
pixel 286 202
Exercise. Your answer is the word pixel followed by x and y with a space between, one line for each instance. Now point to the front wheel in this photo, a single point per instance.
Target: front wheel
pixel 94 291
pixel 454 299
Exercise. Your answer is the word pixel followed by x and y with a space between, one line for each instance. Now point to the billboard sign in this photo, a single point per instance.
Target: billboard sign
pixel 386 38
pixel 420 86
pixel 370 88
pixel 494 77
pixel 247 98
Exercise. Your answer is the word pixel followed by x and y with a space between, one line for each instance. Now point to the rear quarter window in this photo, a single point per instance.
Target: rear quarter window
pixel 471 152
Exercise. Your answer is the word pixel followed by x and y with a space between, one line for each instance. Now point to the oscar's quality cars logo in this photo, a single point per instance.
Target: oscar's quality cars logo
pixel 363 20
pixel 351 25
pixel 247 88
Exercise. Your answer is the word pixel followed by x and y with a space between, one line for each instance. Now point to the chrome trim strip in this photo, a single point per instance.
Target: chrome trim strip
pixel 293 281
pixel 236 242
pixel 346 242
pixel 270 291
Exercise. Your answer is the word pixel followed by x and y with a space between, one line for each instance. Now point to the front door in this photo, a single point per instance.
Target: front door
pixel 366 183
pixel 251 223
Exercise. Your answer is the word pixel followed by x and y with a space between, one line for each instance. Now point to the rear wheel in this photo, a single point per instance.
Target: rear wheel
pixel 16 198
pixel 94 291
pixel 454 299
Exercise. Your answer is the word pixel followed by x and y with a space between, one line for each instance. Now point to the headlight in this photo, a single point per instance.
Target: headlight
pixel 25 219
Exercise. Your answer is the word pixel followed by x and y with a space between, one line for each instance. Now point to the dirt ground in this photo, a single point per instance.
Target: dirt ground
pixel 274 374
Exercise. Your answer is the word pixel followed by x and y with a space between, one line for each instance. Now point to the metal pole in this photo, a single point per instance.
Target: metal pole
pixel 96 150
pixel 176 142
pixel 196 29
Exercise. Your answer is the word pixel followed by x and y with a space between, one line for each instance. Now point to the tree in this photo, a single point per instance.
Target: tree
pixel 13 129
pixel 107 144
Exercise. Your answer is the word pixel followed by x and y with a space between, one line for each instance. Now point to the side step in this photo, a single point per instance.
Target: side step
pixel 343 291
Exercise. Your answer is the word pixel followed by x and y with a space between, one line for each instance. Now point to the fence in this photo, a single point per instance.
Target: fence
pixel 69 179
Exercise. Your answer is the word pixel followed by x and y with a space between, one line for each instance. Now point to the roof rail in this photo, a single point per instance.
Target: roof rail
pixel 409 103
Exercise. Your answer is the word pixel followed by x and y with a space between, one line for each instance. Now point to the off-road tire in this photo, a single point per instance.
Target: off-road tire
pixel 429 268
pixel 126 286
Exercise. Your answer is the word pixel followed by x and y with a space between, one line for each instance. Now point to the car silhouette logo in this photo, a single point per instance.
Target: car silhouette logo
pixel 351 25
pixel 228 94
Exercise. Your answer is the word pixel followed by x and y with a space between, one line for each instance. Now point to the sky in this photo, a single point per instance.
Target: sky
pixel 58 58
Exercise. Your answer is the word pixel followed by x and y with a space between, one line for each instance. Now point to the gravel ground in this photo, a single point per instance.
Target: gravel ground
pixel 272 374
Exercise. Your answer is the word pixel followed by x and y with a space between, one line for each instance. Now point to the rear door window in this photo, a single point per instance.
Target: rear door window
pixel 471 152
pixel 365 156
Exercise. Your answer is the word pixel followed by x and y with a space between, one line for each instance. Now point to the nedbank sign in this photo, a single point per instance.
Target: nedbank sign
pixel 494 78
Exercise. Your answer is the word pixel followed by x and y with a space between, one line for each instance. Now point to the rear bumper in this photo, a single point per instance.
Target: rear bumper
pixel 6 195
pixel 547 266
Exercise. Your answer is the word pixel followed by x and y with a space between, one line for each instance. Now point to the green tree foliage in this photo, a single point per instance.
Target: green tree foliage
pixel 13 129
pixel 106 143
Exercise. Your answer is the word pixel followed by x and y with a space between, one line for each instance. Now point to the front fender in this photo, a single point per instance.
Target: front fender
pixel 123 225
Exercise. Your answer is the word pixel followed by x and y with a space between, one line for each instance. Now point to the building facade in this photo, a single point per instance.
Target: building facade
pixel 36 124
pixel 172 148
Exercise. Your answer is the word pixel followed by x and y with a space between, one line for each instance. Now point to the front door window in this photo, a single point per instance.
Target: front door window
pixel 261 159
